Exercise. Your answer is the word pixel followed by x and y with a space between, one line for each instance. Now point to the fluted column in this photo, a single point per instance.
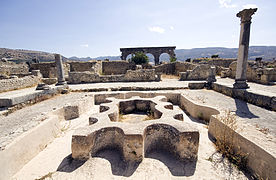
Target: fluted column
pixel 240 80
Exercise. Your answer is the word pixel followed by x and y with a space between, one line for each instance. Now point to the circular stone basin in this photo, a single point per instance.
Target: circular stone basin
pixel 135 117
pixel 134 111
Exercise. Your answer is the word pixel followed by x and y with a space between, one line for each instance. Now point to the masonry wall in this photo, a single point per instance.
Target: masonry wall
pixel 19 83
pixel 130 76
pixel 215 61
pixel 11 68
pixel 116 67
pixel 254 73
pixel 48 69
pixel 94 66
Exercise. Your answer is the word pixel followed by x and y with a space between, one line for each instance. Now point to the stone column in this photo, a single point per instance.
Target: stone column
pixel 60 71
pixel 156 59
pixel 240 80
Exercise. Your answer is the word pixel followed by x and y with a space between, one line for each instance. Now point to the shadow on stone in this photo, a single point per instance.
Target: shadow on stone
pixel 119 166
pixel 176 166
pixel 69 164
pixel 243 110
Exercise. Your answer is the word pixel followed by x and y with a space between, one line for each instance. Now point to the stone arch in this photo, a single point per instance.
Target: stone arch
pixel 165 56
pixel 155 51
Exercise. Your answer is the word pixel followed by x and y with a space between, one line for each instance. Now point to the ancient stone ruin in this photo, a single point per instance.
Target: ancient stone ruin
pixel 209 117
pixel 155 51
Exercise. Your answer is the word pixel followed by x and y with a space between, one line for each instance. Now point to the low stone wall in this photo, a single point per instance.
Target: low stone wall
pixel 48 69
pixel 183 67
pixel 130 76
pixel 259 162
pixel 19 83
pixel 253 98
pixel 11 68
pixel 200 72
pixel 215 61
pixel 116 67
pixel 254 73
pixel 94 66
pixel 174 68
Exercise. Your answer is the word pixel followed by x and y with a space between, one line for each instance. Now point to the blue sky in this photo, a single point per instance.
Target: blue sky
pixel 100 27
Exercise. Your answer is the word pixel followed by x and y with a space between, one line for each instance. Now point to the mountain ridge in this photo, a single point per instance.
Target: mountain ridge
pixel 266 52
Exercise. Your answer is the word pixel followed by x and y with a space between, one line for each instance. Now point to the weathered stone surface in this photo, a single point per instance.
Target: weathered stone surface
pixel 200 85
pixel 60 70
pixel 49 81
pixel 240 78
pixel 136 141
pixel 130 76
pixel 18 83
pixel 116 67
pixel 200 72
pixel 94 66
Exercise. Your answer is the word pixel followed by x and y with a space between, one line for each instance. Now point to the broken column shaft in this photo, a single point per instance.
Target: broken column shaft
pixel 60 71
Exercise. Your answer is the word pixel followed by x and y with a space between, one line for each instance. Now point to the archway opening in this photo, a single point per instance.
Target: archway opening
pixel 129 57
pixel 164 57
pixel 151 58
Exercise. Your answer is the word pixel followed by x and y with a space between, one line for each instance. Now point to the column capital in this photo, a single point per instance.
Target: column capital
pixel 246 14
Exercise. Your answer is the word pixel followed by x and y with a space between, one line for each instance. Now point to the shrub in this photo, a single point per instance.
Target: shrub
pixel 215 56
pixel 139 58
pixel 172 59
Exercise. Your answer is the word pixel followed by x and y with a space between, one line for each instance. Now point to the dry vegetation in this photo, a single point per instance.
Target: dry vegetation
pixel 225 143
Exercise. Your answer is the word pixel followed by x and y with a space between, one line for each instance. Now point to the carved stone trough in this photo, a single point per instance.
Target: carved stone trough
pixel 165 131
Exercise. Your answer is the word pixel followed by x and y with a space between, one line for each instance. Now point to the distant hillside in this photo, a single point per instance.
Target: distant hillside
pixel 266 52
pixel 20 55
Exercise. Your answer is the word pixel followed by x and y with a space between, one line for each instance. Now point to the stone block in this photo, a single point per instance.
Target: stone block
pixel 71 112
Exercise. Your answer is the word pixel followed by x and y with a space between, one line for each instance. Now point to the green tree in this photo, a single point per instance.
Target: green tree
pixel 172 59
pixel 139 58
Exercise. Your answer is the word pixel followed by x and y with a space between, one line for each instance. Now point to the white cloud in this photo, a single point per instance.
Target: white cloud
pixel 226 4
pixel 171 27
pixel 248 6
pixel 156 29
pixel 84 45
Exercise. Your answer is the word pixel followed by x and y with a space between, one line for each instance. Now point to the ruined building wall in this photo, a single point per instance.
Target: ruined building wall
pixel 94 66
pixel 48 69
pixel 11 68
pixel 174 68
pixel 116 67
pixel 19 83
pixel 222 62
pixel 254 73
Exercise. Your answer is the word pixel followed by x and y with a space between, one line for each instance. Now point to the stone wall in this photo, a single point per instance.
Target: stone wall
pixel 48 69
pixel 10 68
pixel 130 76
pixel 200 72
pixel 94 66
pixel 254 73
pixel 174 68
pixel 116 67
pixel 168 68
pixel 19 83
pixel 223 62
pixel 183 67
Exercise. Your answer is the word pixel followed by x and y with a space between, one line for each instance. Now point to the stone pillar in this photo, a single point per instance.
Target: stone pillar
pixel 60 71
pixel 240 80
pixel 156 59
